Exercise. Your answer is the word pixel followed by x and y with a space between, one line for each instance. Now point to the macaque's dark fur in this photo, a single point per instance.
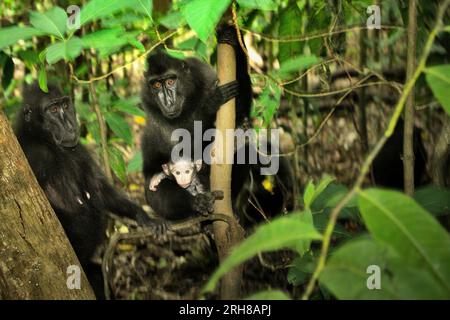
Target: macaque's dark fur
pixel 387 168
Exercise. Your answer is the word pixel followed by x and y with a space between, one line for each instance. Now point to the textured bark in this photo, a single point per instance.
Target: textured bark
pixel 34 251
pixel 226 236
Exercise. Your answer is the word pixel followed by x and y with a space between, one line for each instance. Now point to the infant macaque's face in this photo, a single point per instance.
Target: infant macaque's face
pixel 183 171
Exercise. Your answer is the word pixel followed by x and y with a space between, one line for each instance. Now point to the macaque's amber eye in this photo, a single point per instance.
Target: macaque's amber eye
pixel 178 173
pixel 156 85
pixel 187 172
pixel 170 82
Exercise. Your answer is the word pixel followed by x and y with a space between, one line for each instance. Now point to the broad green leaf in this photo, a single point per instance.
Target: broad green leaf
pixel 258 4
pixel 67 50
pixel 136 43
pixel 136 163
pixel 96 9
pixel 345 273
pixel 145 7
pixel 284 232
pixel 303 246
pixel 269 295
pixel 438 79
pixel 400 223
pixel 119 126
pixel 203 15
pixel 117 163
pixel 43 79
pixel 301 270
pixel 52 22
pixel 297 64
pixel 311 192
pixel 434 200
pixel 290 26
pixel 129 107
pixel 173 20
pixel 321 220
pixel 104 39
pixel 10 35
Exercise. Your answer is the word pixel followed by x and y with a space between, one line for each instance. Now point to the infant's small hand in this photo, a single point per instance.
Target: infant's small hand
pixel 154 181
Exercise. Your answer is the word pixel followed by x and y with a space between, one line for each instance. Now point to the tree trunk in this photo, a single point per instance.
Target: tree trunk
pixel 34 251
pixel 226 236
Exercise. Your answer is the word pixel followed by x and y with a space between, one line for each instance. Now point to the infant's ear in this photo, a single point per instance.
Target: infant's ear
pixel 198 164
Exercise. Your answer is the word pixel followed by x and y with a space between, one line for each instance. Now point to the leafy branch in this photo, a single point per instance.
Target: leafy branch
pixel 367 163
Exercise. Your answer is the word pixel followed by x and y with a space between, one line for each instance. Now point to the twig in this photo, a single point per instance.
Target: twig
pixel 161 40
pixel 316 36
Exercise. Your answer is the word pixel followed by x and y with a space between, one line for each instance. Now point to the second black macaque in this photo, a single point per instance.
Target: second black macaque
pixel 77 189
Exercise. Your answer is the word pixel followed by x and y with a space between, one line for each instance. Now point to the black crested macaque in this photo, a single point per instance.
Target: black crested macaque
pixel 78 191
pixel 175 93
pixel 387 167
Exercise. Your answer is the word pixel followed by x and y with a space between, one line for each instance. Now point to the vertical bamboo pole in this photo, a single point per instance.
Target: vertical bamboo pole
pixel 226 236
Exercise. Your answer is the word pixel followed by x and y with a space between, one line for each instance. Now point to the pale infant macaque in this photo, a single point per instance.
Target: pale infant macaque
pixel 185 174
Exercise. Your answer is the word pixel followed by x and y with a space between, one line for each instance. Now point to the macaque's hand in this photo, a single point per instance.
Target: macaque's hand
pixel 204 202
pixel 155 181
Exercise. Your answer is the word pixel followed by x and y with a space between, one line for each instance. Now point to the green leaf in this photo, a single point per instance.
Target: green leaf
pixel 345 273
pixel 284 232
pixel 173 20
pixel 104 39
pixel 145 7
pixel 129 107
pixel 267 103
pixel 311 192
pixel 258 4
pixel 136 43
pixel 10 35
pixel 301 269
pixel 43 79
pixel 67 50
pixel 119 126
pixel 117 163
pixel 290 26
pixel 269 295
pixel 136 163
pixel 52 22
pixel 296 64
pixel 434 200
pixel 203 15
pixel 401 224
pixel 438 79
pixel 96 9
